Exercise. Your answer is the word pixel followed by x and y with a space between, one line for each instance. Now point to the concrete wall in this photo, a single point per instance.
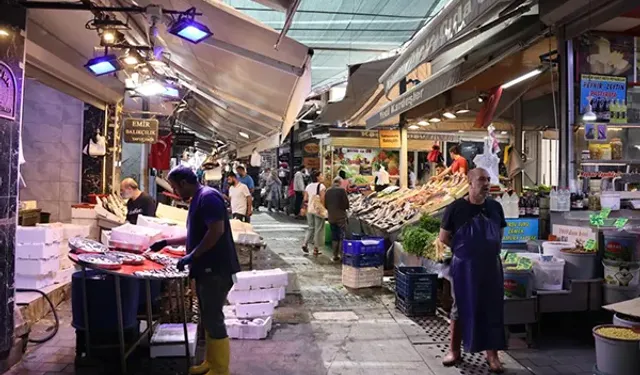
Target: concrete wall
pixel 52 144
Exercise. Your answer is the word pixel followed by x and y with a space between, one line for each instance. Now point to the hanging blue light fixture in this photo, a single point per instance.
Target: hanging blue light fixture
pixel 103 65
pixel 190 30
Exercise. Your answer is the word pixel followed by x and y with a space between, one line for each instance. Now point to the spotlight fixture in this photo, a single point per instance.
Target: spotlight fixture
pixel 190 30
pixel 503 132
pixel 150 87
pixel 132 58
pixel 435 119
pixel 103 65
pixel 480 99
pixel 244 135
pixel 463 110
pixel 413 127
pixel 423 123
pixel 588 114
pixel 4 32
pixel 111 37
pixel 171 92
pixel 449 115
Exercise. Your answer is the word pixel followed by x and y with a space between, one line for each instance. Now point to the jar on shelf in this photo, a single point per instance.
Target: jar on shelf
pixel 594 202
pixel 616 149
pixel 595 152
pixel 606 151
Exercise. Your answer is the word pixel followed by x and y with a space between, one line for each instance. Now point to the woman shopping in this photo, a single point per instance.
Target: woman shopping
pixel 274 191
pixel 316 213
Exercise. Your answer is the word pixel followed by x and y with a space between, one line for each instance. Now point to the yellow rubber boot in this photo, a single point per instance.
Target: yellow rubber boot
pixel 218 356
pixel 202 368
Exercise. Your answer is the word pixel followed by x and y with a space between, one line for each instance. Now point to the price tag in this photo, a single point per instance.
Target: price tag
pixel 524 264
pixel 620 223
pixel 604 213
pixel 590 244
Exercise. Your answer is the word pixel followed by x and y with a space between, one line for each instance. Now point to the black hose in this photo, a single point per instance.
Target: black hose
pixel 53 310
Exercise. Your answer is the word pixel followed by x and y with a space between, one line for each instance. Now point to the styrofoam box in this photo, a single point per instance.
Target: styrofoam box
pixel 37 267
pixel 94 233
pixel 135 235
pixel 248 329
pixel 77 230
pixel 254 310
pixel 258 295
pixel 35 235
pixel 105 236
pixel 249 280
pixel 83 213
pixel 172 213
pixel 91 223
pixel 57 230
pixel 64 276
pixel 30 282
pixel 168 340
pixel 37 251
pixel 366 277
pixel 229 311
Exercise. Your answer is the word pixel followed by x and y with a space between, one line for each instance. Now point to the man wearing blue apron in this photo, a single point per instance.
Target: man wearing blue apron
pixel 473 228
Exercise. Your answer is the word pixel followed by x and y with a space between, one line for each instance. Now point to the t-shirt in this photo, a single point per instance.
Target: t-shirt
pixel 458 213
pixel 312 190
pixel 143 205
pixel 238 195
pixel 337 204
pixel 247 180
pixel 460 163
pixel 207 207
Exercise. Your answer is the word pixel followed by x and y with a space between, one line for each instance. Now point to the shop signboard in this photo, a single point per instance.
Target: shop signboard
pixel 604 97
pixel 311 163
pixel 350 133
pixel 573 234
pixel 389 138
pixel 454 20
pixel 140 130
pixel 520 230
pixel 8 92
pixel 184 140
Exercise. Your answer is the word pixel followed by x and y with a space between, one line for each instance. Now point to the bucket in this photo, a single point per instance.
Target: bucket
pixel 623 320
pixel 549 275
pixel 517 284
pixel 554 247
pixel 616 356
pixel 615 293
pixel 619 247
pixel 581 265
pixel 621 273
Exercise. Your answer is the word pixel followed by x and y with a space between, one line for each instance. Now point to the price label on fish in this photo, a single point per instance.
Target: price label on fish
pixel 590 244
pixel 620 223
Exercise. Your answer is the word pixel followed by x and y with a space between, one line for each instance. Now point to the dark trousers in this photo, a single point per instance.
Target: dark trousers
pixel 298 203
pixel 212 290
pixel 243 218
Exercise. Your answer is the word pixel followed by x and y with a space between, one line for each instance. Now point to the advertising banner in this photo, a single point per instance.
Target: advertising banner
pixel 520 230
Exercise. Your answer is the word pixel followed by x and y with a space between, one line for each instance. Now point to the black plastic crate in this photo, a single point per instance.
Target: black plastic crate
pixel 363 260
pixel 415 308
pixel 415 284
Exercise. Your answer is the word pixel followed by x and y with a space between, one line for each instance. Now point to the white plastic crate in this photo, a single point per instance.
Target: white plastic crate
pixel 63 276
pixel 263 279
pixel 37 267
pixel 253 296
pixel 77 230
pixel 169 228
pixel 34 235
pixel 57 230
pixel 37 251
pixel 168 340
pixel 254 310
pixel 248 329
pixel 366 277
pixel 135 235
pixel 34 282
pixel 83 213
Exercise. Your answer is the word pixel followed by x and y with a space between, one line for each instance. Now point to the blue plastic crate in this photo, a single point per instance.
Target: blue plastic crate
pixel 365 246
pixel 363 260
pixel 409 308
pixel 416 284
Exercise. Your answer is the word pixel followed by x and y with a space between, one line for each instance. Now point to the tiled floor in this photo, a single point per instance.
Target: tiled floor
pixel 321 328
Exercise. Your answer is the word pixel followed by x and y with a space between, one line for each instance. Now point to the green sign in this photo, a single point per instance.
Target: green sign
pixel 620 223
pixel 590 244
pixel 604 213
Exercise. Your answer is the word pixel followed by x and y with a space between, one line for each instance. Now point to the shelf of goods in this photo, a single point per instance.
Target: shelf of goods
pixel 393 208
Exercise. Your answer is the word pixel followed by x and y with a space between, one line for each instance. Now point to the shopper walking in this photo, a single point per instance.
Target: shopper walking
pixel 240 199
pixel 274 191
pixel 298 188
pixel 337 204
pixel 473 227
pixel 314 195
pixel 212 260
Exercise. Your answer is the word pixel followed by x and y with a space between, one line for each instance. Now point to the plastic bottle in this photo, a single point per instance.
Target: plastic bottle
pixel 522 206
pixel 623 112
pixel 615 111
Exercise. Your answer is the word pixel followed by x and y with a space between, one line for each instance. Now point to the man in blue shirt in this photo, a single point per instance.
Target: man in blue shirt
pixel 212 260
pixel 245 178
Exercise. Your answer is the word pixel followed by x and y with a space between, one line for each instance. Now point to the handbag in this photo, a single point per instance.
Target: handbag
pixel 96 149
pixel 316 207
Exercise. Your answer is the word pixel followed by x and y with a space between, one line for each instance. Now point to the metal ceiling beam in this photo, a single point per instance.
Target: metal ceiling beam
pixel 227 133
pixel 239 114
pixel 339 13
pixel 291 11
pixel 348 49
pixel 218 125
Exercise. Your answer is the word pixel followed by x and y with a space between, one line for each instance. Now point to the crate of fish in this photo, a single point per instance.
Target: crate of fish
pixel 356 278
pixel 409 308
pixel 363 260
pixel 371 245
pixel 416 284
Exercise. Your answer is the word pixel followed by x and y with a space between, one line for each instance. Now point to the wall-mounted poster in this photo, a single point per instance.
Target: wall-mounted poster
pixel 606 54
pixel 595 132
pixel 8 92
pixel 602 98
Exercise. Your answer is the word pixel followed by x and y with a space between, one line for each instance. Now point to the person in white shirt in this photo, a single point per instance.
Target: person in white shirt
pixel 382 179
pixel 315 233
pixel 240 199
pixel 298 188
pixel 412 178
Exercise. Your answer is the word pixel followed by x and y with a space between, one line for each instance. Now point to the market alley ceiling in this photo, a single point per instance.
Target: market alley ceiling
pixel 346 32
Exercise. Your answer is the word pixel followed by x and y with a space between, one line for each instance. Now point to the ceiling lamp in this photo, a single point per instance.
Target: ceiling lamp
pixel 449 115
pixel 413 127
pixel 4 32
pixel 588 114
pixel 244 135
pixel 103 65
pixel 151 87
pixel 171 92
pixel 132 58
pixel 190 30
pixel 435 119
pixel 423 123
pixel 523 77
pixel 111 37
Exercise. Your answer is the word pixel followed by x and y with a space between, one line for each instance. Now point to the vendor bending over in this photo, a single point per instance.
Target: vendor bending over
pixel 139 202
pixel 212 260
pixel 473 228
pixel 459 163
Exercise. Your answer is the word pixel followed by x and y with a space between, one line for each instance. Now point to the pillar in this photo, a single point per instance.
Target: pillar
pixel 12 60
pixel 404 156
pixel 567 108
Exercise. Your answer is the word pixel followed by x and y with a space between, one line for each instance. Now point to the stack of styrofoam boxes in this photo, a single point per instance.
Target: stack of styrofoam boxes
pixel 169 228
pixel 362 263
pixel 133 238
pixel 67 231
pixel 37 256
pixel 86 216
pixel 253 299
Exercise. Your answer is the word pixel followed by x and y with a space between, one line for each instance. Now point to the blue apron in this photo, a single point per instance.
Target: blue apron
pixel 478 284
